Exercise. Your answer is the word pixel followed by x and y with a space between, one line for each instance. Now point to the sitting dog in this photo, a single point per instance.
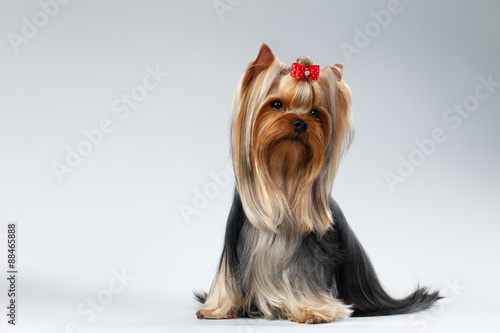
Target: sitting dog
pixel 289 252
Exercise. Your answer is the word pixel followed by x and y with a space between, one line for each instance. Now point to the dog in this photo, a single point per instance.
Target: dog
pixel 288 251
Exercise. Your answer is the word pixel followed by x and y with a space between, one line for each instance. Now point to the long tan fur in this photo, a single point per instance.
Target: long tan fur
pixel 267 203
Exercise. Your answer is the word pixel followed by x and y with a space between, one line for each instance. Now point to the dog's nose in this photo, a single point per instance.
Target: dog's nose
pixel 300 126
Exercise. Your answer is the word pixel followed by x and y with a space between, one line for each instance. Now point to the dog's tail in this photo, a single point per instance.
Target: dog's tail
pixel 358 284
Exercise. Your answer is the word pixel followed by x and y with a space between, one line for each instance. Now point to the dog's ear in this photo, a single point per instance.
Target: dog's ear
pixel 260 64
pixel 265 57
pixel 338 70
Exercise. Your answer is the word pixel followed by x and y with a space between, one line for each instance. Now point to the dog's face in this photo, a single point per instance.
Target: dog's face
pixel 292 129
pixel 288 135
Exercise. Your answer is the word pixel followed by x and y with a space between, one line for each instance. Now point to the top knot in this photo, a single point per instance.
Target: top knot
pixel 306 61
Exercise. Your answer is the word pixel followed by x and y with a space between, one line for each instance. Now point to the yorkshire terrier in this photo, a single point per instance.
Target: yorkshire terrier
pixel 289 252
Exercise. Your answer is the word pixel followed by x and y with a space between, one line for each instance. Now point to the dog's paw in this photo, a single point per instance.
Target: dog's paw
pixel 310 317
pixel 211 314
pixel 322 316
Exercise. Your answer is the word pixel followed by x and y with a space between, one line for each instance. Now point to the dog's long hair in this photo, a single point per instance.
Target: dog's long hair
pixel 260 145
pixel 288 246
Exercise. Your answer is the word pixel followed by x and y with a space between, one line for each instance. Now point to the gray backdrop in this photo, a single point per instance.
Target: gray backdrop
pixel 114 145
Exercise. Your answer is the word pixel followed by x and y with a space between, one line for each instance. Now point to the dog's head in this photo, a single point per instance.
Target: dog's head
pixel 288 135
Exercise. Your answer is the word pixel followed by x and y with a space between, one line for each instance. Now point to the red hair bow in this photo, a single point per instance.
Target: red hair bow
pixel 300 71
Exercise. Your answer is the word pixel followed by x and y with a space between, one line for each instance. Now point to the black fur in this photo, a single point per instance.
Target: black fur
pixel 334 262
pixel 357 282
pixel 235 222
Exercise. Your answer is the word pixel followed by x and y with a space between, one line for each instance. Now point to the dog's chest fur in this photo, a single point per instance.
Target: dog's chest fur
pixel 272 265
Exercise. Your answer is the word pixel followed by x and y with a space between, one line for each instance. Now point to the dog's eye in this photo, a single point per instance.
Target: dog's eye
pixel 314 113
pixel 277 105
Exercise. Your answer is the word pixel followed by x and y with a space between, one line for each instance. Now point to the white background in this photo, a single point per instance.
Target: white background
pixel 119 209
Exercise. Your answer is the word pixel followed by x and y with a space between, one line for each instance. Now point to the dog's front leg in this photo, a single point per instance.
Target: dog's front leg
pixel 224 299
